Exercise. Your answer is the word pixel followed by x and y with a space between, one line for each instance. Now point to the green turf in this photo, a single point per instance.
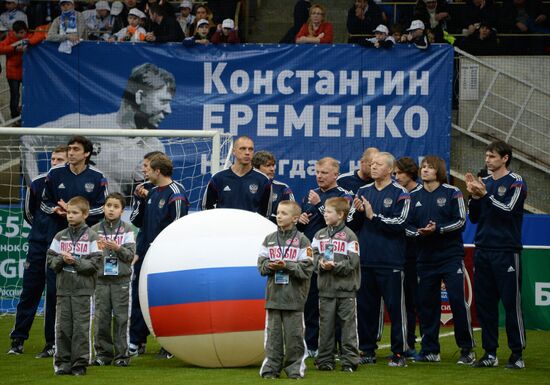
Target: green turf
pixel 26 369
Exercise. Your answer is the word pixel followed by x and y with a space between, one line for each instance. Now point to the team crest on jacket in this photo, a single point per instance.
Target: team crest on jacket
pixel 340 235
pixel 441 201
pixel 253 188
pixel 388 202
pixel 501 191
pixel 295 242
pixel 84 237
pixel 89 187
pixel 161 203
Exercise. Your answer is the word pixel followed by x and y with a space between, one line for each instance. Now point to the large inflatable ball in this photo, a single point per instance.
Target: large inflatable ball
pixel 200 291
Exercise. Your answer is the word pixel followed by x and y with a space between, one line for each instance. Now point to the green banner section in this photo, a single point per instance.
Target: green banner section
pixel 13 250
pixel 536 288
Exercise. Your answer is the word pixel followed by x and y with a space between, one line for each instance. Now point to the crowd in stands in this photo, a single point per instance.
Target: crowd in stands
pixel 476 22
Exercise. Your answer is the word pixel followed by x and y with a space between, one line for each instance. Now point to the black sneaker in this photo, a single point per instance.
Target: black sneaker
pixel 61 372
pixel 269 375
pixel 398 360
pixel 368 359
pixel 121 363
pixel 349 368
pixel 47 352
pixel 79 371
pixel 136 350
pixel 515 362
pixel 325 367
pixel 487 361
pixel 100 362
pixel 467 357
pixel 16 346
pixel 164 354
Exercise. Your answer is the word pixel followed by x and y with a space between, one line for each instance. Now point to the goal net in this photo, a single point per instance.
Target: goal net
pixel 25 153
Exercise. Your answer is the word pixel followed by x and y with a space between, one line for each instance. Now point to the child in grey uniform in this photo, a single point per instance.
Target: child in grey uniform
pixel 74 257
pixel 336 255
pixel 112 295
pixel 286 259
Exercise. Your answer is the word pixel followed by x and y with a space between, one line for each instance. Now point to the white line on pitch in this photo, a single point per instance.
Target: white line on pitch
pixel 419 339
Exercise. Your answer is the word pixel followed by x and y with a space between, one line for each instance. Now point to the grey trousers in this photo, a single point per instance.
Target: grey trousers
pixel 72 332
pixel 345 310
pixel 112 307
pixel 285 347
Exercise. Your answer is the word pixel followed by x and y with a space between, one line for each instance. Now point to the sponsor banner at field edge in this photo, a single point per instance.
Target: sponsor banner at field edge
pixel 300 102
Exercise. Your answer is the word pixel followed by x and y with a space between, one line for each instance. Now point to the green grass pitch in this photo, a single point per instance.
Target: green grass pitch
pixel 147 370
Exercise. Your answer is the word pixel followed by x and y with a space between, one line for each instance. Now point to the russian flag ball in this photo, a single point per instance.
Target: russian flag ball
pixel 200 291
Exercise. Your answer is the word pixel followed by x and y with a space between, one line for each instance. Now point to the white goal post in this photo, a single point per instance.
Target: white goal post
pixel 118 153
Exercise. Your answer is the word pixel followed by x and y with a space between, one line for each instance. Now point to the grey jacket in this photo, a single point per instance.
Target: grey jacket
pixel 122 233
pixel 80 278
pixel 344 279
pixel 294 248
pixel 55 35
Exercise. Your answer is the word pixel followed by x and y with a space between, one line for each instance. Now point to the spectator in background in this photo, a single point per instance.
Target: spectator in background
pixel 226 33
pixel 317 29
pixel 99 21
pixel 380 39
pixel 396 32
pixel 363 18
pixel 416 35
pixel 69 26
pixel 434 14
pixel 185 18
pixel 203 12
pixel 482 42
pixel 122 15
pixel 12 14
pixel 134 31
pixel 164 27
pixel 476 12
pixel 41 12
pixel 301 14
pixel 200 36
pixel 164 4
pixel 13 46
pixel 524 16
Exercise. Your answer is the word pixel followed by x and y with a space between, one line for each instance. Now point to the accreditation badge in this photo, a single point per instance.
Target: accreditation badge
pixel 110 266
pixel 281 278
pixel 329 252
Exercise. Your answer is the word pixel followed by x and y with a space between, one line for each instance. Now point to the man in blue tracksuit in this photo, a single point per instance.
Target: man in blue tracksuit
pixel 353 180
pixel 496 205
pixel 165 203
pixel 36 275
pixel 310 222
pixel 240 186
pixel 438 220
pixel 382 210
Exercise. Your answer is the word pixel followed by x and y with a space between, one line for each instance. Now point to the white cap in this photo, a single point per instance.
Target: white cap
pixel 136 12
pixel 416 24
pixel 116 8
pixel 201 22
pixel 228 23
pixel 66 1
pixel 102 5
pixel 382 28
pixel 186 4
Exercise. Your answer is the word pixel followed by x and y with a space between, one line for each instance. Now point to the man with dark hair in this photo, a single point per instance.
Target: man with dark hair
pixel 496 205
pixel 165 27
pixel 406 174
pixel 145 104
pixel 240 186
pixel 265 162
pixel 438 220
pixel 167 202
pixel 36 276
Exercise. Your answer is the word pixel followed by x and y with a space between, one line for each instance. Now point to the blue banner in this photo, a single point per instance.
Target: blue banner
pixel 299 102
